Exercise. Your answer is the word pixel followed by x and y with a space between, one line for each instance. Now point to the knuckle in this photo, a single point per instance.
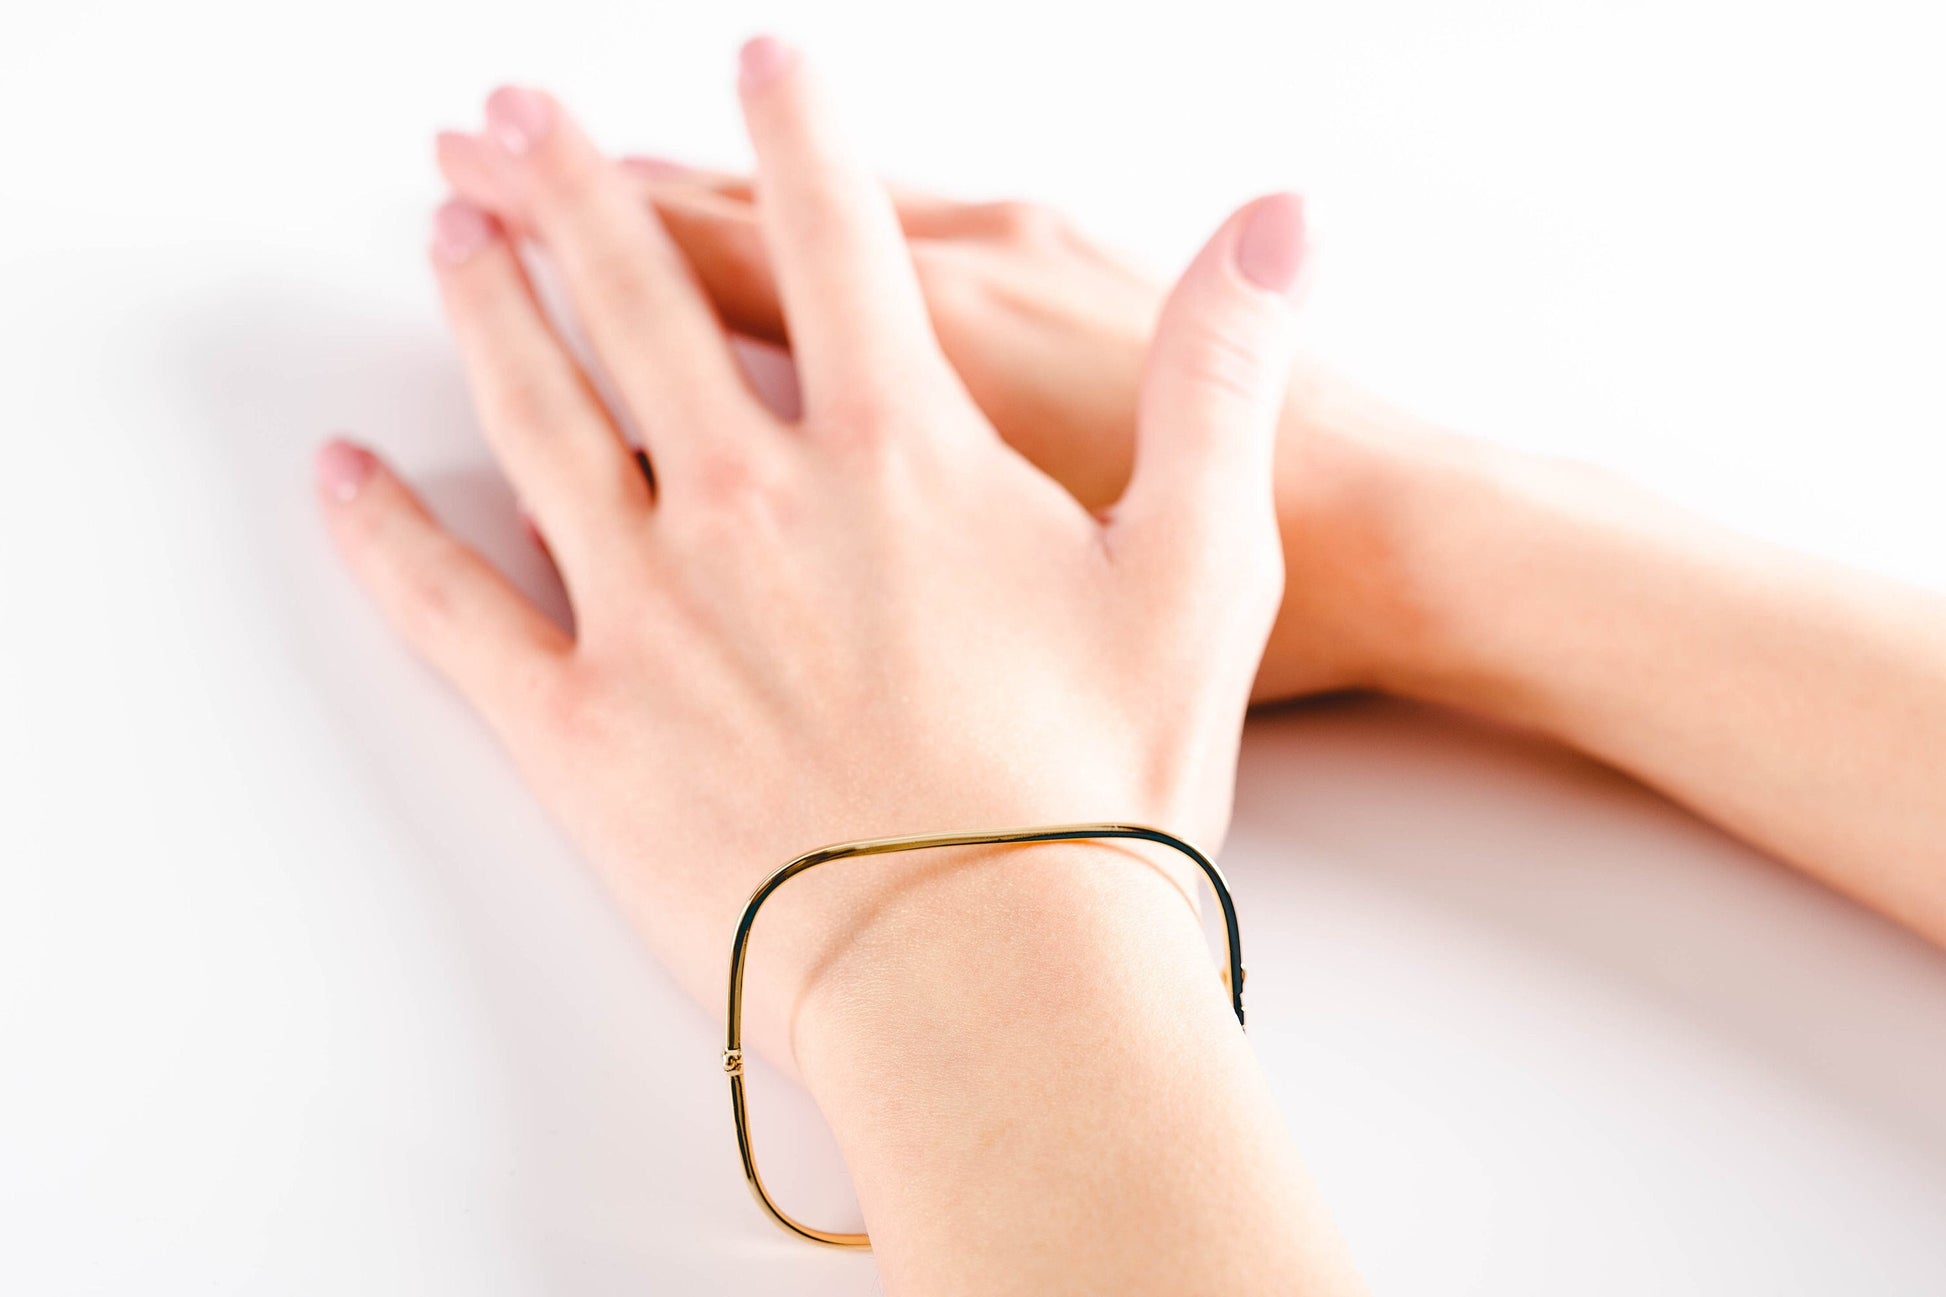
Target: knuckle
pixel 1225 353
pixel 861 418
pixel 612 280
pixel 726 479
pixel 525 405
pixel 737 494
pixel 567 703
pixel 566 177
pixel 430 592
pixel 833 210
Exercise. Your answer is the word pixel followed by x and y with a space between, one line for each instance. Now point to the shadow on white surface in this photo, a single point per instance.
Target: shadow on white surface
pixel 1540 848
pixel 1531 1020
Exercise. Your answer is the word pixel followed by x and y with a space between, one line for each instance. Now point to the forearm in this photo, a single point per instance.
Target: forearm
pixel 1038 1084
pixel 1799 704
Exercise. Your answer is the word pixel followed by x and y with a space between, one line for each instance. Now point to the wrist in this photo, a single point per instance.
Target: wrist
pixel 945 1037
pixel 1366 502
pixel 1480 562
pixel 965 942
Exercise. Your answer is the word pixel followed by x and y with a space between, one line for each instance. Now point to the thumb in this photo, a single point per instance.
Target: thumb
pixel 1216 375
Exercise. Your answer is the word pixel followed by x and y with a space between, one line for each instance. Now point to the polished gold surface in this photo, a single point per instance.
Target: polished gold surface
pixel 1232 970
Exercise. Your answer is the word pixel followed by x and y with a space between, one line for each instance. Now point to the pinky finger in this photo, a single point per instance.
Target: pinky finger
pixel 447 602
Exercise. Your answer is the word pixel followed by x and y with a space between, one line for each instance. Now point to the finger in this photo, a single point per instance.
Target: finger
pixel 843 271
pixel 717 235
pixel 722 239
pixel 660 171
pixel 1215 377
pixel 466 162
pixel 443 599
pixel 713 220
pixel 646 317
pixel 546 426
pixel 922 215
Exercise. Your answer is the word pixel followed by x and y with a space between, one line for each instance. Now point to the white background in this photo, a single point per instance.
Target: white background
pixel 299 994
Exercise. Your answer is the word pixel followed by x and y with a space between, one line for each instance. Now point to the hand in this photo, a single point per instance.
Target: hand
pixel 1049 332
pixel 879 619
pixel 1541 594
pixel 876 620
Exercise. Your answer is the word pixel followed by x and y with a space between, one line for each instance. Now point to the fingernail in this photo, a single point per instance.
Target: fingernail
pixel 655 168
pixel 343 468
pixel 763 59
pixel 1270 250
pixel 518 118
pixel 459 230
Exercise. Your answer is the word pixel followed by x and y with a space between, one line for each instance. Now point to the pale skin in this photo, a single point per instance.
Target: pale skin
pixel 879 619
pixel 1798 703
pixel 884 620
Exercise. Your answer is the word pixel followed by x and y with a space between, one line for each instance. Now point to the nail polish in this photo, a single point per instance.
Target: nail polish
pixel 343 468
pixel 1270 248
pixel 518 118
pixel 459 230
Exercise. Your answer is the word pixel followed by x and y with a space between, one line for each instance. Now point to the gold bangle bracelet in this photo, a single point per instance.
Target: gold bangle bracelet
pixel 1231 973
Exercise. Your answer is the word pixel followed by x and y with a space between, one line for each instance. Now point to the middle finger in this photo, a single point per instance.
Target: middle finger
pixel 649 322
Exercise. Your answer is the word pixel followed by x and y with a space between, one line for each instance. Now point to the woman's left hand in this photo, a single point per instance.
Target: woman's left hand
pixel 878 619
pixel 1049 331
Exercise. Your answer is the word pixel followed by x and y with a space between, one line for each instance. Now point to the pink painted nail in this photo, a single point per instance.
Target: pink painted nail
pixel 459 230
pixel 1270 250
pixel 343 468
pixel 518 118
pixel 763 60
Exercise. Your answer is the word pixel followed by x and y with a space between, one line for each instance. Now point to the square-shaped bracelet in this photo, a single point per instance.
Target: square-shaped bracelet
pixel 1232 972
